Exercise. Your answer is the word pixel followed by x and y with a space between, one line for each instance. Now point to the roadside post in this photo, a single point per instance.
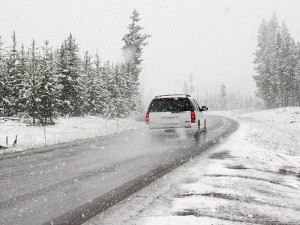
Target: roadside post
pixel 106 126
pixel 45 134
pixel 117 124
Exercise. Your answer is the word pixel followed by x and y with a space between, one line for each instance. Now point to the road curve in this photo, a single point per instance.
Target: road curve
pixel 71 183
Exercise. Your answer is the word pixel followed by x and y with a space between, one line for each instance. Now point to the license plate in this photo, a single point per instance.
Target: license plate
pixel 169 120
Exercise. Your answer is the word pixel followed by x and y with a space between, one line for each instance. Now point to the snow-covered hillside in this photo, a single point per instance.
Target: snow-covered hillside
pixel 65 130
pixel 276 129
pixel 252 177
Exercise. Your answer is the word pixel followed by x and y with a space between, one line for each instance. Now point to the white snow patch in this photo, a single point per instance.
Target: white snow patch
pixel 276 129
pixel 65 130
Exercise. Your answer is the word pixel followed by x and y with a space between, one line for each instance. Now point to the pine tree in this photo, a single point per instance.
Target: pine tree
pixel 279 71
pixel 109 80
pixel 297 77
pixel 3 79
pixel 11 92
pixel 48 87
pixel 92 89
pixel 120 90
pixel 75 86
pixel 289 61
pixel 63 81
pixel 125 86
pixel 272 87
pixel 101 83
pixel 32 95
pixel 72 85
pixel 266 62
pixel 260 62
pixel 23 75
pixel 134 42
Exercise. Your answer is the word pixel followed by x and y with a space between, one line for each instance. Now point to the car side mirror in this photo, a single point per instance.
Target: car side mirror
pixel 204 108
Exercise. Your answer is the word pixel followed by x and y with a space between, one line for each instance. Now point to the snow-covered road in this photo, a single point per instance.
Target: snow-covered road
pixel 253 177
pixel 76 181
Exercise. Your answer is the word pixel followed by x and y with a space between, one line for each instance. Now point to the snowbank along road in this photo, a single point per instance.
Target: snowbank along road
pixel 75 182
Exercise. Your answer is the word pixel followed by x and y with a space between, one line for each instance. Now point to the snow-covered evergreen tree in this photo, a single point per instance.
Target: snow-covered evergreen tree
pixel 260 62
pixel 266 61
pixel 12 82
pixel 134 42
pixel 101 83
pixel 288 58
pixel 63 81
pixel 48 90
pixel 278 80
pixel 76 87
pixel 125 86
pixel 297 77
pixel 23 75
pixel 91 83
pixel 69 77
pixel 108 75
pixel 32 93
pixel 3 79
pixel 120 90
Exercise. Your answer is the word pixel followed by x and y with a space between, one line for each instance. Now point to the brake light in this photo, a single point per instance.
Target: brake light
pixel 147 118
pixel 193 117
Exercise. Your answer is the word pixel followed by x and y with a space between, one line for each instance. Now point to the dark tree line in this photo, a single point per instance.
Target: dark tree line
pixel 277 62
pixel 42 82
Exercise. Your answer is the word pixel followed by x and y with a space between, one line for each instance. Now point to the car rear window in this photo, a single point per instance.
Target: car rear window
pixel 170 105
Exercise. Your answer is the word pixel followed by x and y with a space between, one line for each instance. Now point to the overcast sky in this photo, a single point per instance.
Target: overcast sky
pixel 214 40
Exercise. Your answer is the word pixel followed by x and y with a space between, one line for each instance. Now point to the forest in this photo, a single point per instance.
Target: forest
pixel 42 83
pixel 277 62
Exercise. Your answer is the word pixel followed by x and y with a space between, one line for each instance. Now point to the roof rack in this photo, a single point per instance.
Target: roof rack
pixel 158 96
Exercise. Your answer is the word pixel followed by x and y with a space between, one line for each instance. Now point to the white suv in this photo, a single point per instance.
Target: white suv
pixel 170 112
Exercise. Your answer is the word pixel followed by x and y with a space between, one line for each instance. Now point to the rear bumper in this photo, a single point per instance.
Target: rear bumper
pixel 172 131
pixel 169 126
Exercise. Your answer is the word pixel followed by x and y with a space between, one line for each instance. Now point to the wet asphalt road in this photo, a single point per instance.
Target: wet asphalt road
pixel 71 183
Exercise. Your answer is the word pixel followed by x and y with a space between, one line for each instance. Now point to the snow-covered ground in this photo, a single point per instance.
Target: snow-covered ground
pixel 252 177
pixel 278 130
pixel 65 130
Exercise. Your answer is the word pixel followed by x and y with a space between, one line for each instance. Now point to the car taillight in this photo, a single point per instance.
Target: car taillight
pixel 193 117
pixel 147 118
